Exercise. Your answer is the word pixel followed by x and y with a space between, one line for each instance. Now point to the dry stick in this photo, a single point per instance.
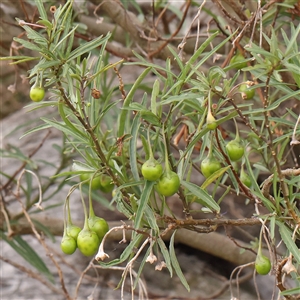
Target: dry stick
pixel 90 265
pixel 159 49
pixel 6 216
pixel 227 14
pixel 42 242
pixel 183 42
pixel 33 275
pixel 242 279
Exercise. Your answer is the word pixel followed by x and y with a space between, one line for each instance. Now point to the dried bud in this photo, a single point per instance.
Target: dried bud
pixel 151 258
pixel 289 267
pixel 160 266
pixel 96 93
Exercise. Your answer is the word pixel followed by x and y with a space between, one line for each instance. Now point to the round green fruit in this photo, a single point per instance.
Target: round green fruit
pixel 73 231
pixel 98 225
pixel 68 245
pixel 88 242
pixel 152 170
pixel 238 61
pixel 235 150
pixel 37 94
pixel 245 179
pixel 95 183
pixel 209 166
pixel 168 184
pixel 106 184
pixel 246 92
pixel 262 264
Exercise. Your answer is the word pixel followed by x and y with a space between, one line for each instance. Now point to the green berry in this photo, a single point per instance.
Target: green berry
pixel 235 150
pixel 152 170
pixel 168 184
pixel 262 264
pixel 209 166
pixel 37 94
pixel 98 225
pixel 68 245
pixel 246 92
pixel 88 242
pixel 238 61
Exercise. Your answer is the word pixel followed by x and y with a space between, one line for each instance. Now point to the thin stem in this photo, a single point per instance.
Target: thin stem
pixel 86 223
pixel 151 155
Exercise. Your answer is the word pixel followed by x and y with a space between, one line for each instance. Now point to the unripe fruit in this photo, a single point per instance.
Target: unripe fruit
pixel 106 184
pixel 235 150
pixel 152 170
pixel 37 94
pixel 168 184
pixel 245 179
pixel 98 225
pixel 239 61
pixel 209 166
pixel 73 231
pixel 68 245
pixel 96 181
pixel 88 242
pixel 262 264
pixel 246 92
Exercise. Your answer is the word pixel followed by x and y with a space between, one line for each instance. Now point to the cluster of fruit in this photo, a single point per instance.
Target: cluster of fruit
pixel 168 181
pixel 102 182
pixel 235 151
pixel 88 239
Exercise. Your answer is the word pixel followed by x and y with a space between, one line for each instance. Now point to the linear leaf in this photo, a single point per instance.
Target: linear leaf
pixel 127 101
pixel 286 236
pixel 143 203
pixel 88 47
pixel 175 263
pixel 202 194
pixel 25 250
pixel 166 255
pixel 61 126
pixel 132 147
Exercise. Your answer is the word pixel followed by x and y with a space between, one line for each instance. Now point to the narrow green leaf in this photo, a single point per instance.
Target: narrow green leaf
pixel 127 101
pixel 27 44
pixel 213 177
pixel 40 6
pixel 175 263
pixel 143 202
pixel 150 117
pixel 293 41
pixel 63 128
pixel 132 147
pixel 25 250
pixel 286 235
pixel 154 95
pixel 166 255
pixel 88 47
pixel 202 194
pixel 294 291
